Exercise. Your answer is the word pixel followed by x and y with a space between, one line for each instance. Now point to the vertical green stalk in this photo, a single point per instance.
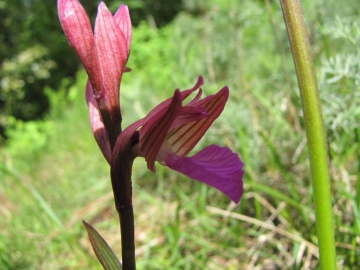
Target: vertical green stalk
pixel 300 46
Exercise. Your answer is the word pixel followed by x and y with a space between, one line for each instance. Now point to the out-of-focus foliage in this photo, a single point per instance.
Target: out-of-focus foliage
pixel 22 81
pixel 340 73
pixel 34 52
pixel 239 43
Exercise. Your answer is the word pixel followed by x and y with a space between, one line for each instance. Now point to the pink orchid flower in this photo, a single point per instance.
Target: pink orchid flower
pixel 104 55
pixel 171 130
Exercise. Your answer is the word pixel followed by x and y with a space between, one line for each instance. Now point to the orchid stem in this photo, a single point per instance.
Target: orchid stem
pixel 121 166
pixel 126 216
pixel 310 99
pixel 108 124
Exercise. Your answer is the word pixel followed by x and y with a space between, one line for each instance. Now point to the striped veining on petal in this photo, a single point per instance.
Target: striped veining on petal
pixel 110 42
pixel 153 132
pixel 184 130
pixel 122 19
pixel 183 139
pixel 78 31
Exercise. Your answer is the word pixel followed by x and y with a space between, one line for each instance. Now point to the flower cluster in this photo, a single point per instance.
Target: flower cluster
pixel 170 131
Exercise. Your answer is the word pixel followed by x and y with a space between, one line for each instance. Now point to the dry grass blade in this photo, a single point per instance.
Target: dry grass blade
pixel 92 208
pixel 312 248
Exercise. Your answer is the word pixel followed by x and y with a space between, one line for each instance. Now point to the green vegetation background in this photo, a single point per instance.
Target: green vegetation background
pixel 52 174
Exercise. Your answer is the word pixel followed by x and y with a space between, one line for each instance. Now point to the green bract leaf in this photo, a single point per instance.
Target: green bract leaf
pixel 102 250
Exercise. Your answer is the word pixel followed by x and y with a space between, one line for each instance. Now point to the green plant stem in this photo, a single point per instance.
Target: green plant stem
pixel 300 46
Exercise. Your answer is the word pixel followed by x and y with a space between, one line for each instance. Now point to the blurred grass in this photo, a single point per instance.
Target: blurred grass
pixel 53 175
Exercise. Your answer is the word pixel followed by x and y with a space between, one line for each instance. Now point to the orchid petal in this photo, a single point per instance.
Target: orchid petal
pixel 111 48
pixel 199 83
pixel 97 125
pixel 122 19
pixel 155 128
pixel 189 114
pixel 184 95
pixel 184 138
pixel 216 166
pixel 195 99
pixel 78 31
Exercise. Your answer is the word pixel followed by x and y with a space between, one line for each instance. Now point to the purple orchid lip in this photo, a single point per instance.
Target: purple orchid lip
pixel 215 166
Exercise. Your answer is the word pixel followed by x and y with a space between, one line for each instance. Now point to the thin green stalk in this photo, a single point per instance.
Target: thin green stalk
pixel 35 193
pixel 300 46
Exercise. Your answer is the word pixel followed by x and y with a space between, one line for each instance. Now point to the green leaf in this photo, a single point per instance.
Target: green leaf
pixel 102 250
